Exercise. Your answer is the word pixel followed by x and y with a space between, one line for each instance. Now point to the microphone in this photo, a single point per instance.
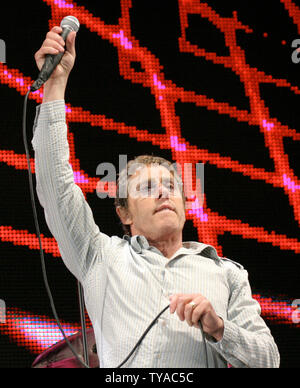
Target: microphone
pixel 68 24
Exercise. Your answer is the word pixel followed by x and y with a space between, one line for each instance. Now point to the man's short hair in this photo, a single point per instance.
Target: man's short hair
pixel 129 170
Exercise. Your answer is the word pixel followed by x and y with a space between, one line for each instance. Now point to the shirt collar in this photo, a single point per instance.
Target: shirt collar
pixel 139 243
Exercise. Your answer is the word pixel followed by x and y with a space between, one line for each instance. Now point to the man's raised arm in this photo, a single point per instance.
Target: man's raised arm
pixel 68 215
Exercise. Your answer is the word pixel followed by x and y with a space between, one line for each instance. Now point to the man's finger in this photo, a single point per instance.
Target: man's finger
pixel 173 303
pixel 43 51
pixel 201 309
pixel 70 43
pixel 52 43
pixel 188 312
pixel 181 305
pixel 56 37
pixel 57 29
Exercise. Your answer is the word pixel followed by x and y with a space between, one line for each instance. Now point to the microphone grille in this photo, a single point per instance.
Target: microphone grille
pixel 70 22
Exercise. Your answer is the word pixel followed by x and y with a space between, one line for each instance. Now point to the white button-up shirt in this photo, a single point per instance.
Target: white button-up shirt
pixel 127 282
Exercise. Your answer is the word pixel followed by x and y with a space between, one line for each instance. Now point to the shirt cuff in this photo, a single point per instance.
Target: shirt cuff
pixel 230 340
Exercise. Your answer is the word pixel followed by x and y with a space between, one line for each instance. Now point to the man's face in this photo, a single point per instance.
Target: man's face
pixel 155 203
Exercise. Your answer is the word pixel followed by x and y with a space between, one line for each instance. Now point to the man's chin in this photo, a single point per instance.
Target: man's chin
pixel 167 226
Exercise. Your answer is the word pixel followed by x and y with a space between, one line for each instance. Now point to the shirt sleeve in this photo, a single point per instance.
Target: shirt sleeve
pixel 67 213
pixel 247 341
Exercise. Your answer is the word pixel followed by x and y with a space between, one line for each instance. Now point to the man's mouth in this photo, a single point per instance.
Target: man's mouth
pixel 165 208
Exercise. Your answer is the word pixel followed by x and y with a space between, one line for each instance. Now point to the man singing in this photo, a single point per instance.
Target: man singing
pixel 128 281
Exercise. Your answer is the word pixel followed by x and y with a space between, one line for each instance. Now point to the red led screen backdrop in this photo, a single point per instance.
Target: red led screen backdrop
pixel 211 82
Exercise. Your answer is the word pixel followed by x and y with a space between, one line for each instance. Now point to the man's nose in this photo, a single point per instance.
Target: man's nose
pixel 163 192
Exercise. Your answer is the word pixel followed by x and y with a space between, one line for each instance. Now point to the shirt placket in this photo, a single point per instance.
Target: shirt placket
pixel 164 320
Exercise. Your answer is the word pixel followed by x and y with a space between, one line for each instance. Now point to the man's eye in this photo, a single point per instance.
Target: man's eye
pixel 169 186
pixel 147 187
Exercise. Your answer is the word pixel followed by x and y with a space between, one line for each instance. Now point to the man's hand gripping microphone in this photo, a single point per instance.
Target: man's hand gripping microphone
pixel 68 24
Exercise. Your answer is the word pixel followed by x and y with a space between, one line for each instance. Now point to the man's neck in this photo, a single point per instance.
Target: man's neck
pixel 168 246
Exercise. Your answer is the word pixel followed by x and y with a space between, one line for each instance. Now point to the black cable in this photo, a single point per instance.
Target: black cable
pixel 143 336
pixel 205 346
pixel 148 329
pixel 37 227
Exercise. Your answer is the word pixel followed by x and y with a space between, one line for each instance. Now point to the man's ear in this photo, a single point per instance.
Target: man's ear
pixel 124 215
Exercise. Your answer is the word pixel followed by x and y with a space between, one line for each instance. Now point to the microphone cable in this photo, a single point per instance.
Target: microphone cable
pixel 205 346
pixel 148 329
pixel 44 271
pixel 143 336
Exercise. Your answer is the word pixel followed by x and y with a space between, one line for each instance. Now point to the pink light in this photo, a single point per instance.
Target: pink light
pixel 276 310
pixel 290 184
pixel 176 145
pixel 197 210
pixel 267 125
pixel 158 83
pixel 79 178
pixel 68 110
pixel 63 4
pixel 37 330
pixel 124 41
pixel 35 333
pixel 20 81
